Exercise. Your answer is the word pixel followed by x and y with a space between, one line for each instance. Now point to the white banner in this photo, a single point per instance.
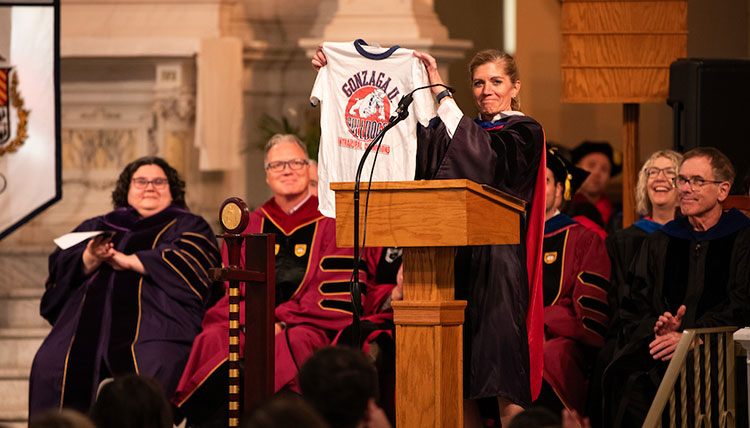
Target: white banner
pixel 30 170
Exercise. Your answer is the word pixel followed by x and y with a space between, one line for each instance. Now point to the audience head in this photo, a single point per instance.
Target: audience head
pixel 313 178
pixel 656 182
pixel 495 82
pixel 341 383
pixel 66 418
pixel 600 160
pixel 282 411
pixel 563 179
pixel 536 417
pixel 704 180
pixel 149 184
pixel 132 401
pixel 287 166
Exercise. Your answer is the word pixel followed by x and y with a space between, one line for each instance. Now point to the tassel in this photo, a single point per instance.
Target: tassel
pixel 566 195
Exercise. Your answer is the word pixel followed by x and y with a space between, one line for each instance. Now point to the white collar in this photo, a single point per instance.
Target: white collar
pixel 504 114
pixel 296 207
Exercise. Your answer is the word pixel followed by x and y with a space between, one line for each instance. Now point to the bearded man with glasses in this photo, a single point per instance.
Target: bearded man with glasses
pixel 693 273
pixel 312 289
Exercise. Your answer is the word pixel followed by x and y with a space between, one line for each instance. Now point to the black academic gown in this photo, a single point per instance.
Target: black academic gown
pixel 708 272
pixel 494 279
pixel 622 248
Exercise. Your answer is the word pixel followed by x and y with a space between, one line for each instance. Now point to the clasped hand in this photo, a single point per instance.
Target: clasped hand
pixel 100 250
pixel 667 335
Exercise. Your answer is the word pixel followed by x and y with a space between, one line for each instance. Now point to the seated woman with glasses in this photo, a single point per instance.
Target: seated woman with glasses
pixel 129 300
pixel 657 202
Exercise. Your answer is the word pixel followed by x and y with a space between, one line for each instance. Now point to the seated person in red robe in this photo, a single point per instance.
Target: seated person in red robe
pixel 312 288
pixel 576 279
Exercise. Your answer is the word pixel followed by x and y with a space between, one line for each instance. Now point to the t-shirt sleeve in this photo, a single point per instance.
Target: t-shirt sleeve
pixel 321 83
pixel 425 107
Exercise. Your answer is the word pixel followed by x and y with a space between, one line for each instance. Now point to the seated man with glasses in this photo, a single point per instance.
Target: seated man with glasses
pixel 693 273
pixel 312 288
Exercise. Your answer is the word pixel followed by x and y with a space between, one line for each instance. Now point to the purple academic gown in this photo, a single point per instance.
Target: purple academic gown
pixel 116 322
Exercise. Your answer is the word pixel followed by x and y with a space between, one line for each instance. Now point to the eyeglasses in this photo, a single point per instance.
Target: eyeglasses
pixel 653 172
pixel 142 183
pixel 294 164
pixel 694 181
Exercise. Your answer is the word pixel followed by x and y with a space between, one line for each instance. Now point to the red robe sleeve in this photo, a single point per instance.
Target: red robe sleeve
pixel 580 313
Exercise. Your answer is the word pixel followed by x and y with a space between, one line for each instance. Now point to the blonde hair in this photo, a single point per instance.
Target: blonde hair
pixel 642 202
pixel 509 67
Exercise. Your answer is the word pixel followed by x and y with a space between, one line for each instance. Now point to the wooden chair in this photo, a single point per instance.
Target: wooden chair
pixel 741 202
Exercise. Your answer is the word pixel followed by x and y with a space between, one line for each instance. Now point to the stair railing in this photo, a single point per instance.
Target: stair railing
pixel 692 396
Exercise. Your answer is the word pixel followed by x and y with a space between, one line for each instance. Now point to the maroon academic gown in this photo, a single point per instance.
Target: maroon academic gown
pixel 117 322
pixel 576 281
pixel 503 327
pixel 314 305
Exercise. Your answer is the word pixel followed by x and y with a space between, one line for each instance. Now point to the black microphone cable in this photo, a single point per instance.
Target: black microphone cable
pixel 402 112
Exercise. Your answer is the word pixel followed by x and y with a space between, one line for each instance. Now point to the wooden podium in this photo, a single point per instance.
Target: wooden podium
pixel 429 219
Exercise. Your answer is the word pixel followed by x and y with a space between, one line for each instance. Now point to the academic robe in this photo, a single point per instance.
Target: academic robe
pixel 603 206
pixel 501 283
pixel 117 322
pixel 312 297
pixel 622 247
pixel 708 272
pixel 576 280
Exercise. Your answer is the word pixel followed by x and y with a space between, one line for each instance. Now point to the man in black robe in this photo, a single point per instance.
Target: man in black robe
pixel 694 273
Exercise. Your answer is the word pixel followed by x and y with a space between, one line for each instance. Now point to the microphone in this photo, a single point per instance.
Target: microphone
pixel 402 112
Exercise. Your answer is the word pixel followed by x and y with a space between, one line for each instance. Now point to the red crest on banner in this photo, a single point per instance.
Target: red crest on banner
pixel 4 106
pixel 30 149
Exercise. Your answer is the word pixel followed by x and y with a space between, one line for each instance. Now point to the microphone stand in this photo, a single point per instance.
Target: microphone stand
pixel 402 112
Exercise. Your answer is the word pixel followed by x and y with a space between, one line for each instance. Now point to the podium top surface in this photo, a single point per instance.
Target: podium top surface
pixel 429 213
pixel 486 190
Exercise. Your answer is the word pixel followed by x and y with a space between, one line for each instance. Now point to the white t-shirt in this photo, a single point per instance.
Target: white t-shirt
pixel 358 91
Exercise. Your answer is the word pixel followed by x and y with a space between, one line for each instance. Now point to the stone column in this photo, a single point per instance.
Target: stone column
pixel 411 24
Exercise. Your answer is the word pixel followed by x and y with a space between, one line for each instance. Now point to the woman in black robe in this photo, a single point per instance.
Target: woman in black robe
pixel 657 202
pixel 505 149
pixel 503 328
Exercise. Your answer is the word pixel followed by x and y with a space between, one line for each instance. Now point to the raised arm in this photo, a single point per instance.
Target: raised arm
pixel 319 58
pixel 430 65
